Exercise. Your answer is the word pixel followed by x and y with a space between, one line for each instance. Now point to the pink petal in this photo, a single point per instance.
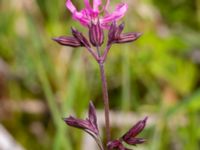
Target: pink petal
pixel 82 16
pixel 118 13
pixel 70 6
pixel 79 16
pixel 107 4
pixel 96 4
pixel 87 4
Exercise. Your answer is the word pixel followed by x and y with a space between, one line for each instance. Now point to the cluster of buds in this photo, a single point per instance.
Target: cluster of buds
pixel 129 137
pixel 90 126
pixel 96 38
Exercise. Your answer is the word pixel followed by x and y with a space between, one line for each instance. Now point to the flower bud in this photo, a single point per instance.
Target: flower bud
pixel 78 123
pixel 130 136
pixel 128 37
pixel 115 34
pixel 135 141
pixel 111 32
pixel 119 30
pixel 92 115
pixel 68 41
pixel 89 124
pixel 80 37
pixel 96 34
pixel 116 144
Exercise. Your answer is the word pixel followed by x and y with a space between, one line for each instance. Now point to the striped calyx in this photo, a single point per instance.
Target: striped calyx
pixel 96 34
pixel 68 41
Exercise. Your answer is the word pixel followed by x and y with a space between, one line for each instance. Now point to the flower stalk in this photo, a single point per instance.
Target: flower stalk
pixel 105 100
pixel 105 94
pixel 96 24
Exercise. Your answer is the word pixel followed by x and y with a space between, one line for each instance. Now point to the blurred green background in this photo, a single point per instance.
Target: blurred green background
pixel 157 75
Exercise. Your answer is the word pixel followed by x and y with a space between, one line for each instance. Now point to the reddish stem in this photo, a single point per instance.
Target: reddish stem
pixel 106 52
pixel 96 57
pixel 105 94
pixel 105 100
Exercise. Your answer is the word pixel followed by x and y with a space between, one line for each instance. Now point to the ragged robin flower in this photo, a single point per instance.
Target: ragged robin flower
pixel 92 13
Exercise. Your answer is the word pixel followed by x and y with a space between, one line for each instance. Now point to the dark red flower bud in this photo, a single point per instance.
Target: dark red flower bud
pixel 68 41
pixel 111 32
pixel 96 34
pixel 80 37
pixel 134 131
pixel 92 115
pixel 119 30
pixel 135 141
pixel 78 123
pixel 115 34
pixel 116 144
pixel 89 124
pixel 128 37
pixel 129 137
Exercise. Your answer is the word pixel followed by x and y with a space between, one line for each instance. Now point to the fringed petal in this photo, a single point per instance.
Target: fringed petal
pixel 107 4
pixel 87 4
pixel 96 4
pixel 81 16
pixel 70 6
pixel 118 13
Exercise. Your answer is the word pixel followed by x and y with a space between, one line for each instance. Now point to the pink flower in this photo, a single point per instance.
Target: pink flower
pixel 92 13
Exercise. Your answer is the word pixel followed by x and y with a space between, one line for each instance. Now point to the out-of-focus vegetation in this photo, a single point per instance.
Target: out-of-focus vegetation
pixel 41 81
